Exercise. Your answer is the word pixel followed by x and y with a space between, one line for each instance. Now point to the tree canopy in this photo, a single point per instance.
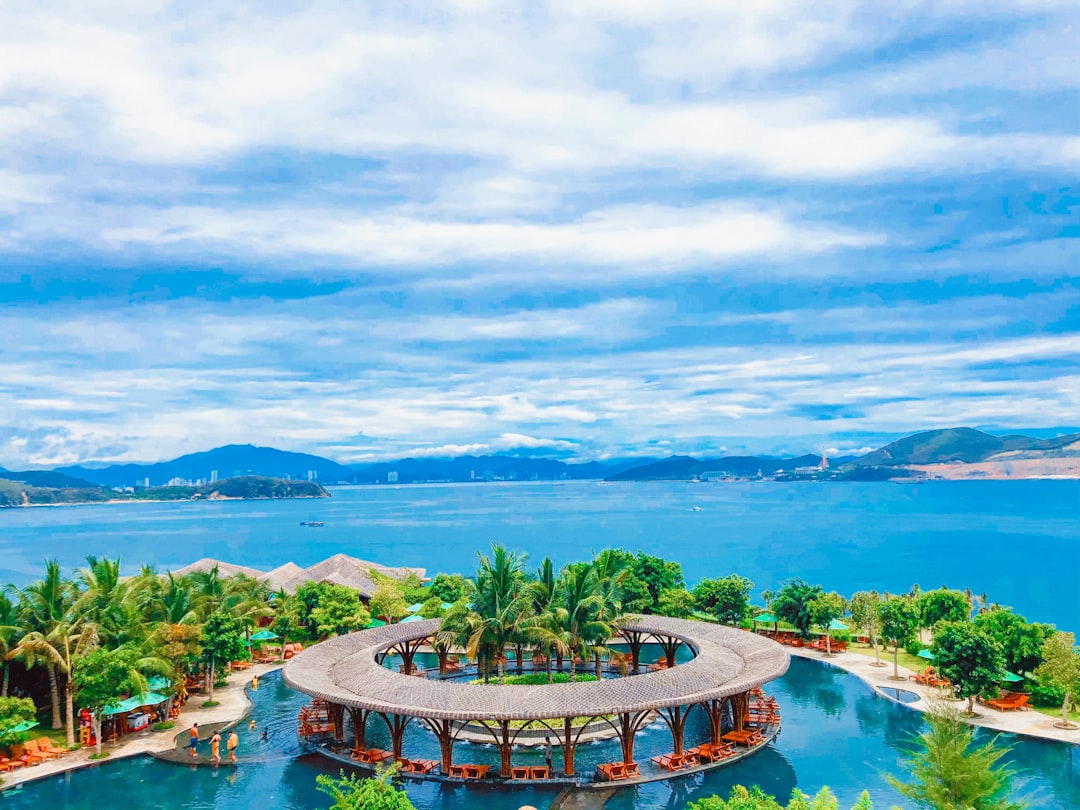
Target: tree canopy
pixel 351 792
pixel 968 657
pixel 727 599
pixel 792 603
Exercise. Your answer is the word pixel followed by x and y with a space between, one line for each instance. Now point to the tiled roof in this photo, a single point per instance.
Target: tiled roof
pixel 343 670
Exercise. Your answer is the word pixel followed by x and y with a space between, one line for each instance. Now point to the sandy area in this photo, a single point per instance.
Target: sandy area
pixel 1006 469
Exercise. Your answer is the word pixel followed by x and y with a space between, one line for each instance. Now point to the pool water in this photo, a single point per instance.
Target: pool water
pixel 902 695
pixel 837 732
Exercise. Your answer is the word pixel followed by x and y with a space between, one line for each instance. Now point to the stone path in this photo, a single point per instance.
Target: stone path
pixel 1030 722
pixel 233 706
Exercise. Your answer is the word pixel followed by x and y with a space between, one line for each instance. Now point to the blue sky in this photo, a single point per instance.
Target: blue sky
pixel 590 229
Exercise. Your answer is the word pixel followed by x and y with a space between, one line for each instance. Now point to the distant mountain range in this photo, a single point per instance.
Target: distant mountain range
pixel 920 453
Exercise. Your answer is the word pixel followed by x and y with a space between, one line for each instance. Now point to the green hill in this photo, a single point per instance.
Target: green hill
pixel 965 445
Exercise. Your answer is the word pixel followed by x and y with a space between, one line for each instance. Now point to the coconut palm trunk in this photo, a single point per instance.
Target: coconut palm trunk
pixel 69 710
pixel 7 679
pixel 54 697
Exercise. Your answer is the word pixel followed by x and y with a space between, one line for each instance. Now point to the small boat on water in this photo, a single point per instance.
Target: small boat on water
pixel 315 523
pixel 696 509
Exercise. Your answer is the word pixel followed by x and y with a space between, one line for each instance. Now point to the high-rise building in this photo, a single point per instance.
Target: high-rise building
pixel 391 477
pixel 213 476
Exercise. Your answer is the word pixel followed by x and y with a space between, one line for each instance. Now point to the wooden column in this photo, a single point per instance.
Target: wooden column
pixel 629 725
pixel 504 748
pixel 336 713
pixel 675 717
pixel 715 710
pixel 444 733
pixel 740 705
pixel 635 640
pixel 568 746
pixel 359 719
pixel 669 646
pixel 397 724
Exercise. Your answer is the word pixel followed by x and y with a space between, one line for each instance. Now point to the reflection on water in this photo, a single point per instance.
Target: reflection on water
pixel 836 733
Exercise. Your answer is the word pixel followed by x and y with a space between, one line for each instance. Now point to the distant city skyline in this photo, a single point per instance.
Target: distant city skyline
pixel 586 230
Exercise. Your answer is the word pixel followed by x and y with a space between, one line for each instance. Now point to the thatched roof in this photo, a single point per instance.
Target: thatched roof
pixel 344 670
pixel 341 569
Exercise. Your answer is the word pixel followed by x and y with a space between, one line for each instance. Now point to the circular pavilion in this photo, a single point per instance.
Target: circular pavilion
pixel 727 668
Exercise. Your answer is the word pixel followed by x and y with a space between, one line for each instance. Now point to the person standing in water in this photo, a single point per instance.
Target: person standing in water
pixel 215 748
pixel 193 743
pixel 233 743
pixel 547 756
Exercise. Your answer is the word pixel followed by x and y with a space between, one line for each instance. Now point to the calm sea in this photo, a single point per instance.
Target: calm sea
pixel 1017 541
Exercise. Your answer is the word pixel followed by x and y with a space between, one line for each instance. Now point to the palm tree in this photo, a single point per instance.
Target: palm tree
pixel 209 590
pixel 177 602
pixel 609 613
pixel 246 599
pixel 59 649
pixel 106 602
pixel 9 631
pixel 579 604
pixel 543 626
pixel 44 606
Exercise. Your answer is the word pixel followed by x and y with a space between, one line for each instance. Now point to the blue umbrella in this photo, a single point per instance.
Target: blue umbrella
pixel 835 625
pixel 416 607
pixel 925 653
pixel 413 618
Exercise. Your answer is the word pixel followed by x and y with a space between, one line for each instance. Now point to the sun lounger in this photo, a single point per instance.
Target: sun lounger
pixel 539 772
pixel 9 764
pixel 1010 703
pixel 421 765
pixel 45 744
pixel 26 757
pixel 519 772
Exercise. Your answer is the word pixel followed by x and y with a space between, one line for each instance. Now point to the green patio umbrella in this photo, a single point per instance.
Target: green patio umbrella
pixel 374 623
pixel 159 684
pixel 766 618
pixel 26 725
pixel 925 653
pixel 1010 677
pixel 415 607
pixel 413 618
pixel 265 635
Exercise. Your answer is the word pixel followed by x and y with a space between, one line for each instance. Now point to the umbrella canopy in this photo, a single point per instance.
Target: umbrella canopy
pixel 265 635
pixel 415 607
pixel 159 684
pixel 445 606
pixel 374 623
pixel 1010 677
pixel 413 618
pixel 925 653
pixel 132 703
pixel 768 618
pixel 835 625
pixel 26 725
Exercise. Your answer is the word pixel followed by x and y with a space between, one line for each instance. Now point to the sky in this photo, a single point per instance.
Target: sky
pixel 586 229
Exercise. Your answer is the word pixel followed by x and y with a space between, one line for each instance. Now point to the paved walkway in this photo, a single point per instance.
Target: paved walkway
pixel 234 705
pixel 1029 722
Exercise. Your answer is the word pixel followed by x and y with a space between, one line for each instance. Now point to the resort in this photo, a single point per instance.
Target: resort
pixel 507 680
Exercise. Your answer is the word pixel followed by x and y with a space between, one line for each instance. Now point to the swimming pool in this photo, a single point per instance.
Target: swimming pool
pixel 837 732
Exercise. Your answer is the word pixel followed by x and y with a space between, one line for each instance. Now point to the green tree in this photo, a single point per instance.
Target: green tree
pixel 287 622
pixel 943 605
pixel 1060 668
pixel 339 611
pixel 755 798
pixel 657 574
pixel 899 623
pixel 10 630
pixel 448 587
pixel 43 607
pixel 866 616
pixel 351 792
pixel 726 598
pixel 14 711
pixel 388 602
pixel 675 602
pixel 824 609
pixel 969 657
pixel 222 641
pixel 792 604
pixel 106 600
pixel 105 676
pixel 1021 641
pixel 432 608
pixel 949 772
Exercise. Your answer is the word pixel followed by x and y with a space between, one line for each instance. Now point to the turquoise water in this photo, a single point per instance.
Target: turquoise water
pixel 837 732
pixel 1017 541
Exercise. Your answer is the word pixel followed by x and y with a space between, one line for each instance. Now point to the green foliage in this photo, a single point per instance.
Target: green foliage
pixel 388 601
pixel 644 577
pixel 657 574
pixel 943 605
pixel 541 679
pixel 351 792
pixel 222 641
pixel 949 772
pixel 755 798
pixel 339 611
pixel 792 604
pixel 866 614
pixel 899 622
pixel 104 676
pixel 307 598
pixel 432 608
pixel 1060 670
pixel 675 602
pixel 448 587
pixel 12 712
pixel 726 598
pixel 827 607
pixel 968 657
pixel 1021 641
pixel 166 726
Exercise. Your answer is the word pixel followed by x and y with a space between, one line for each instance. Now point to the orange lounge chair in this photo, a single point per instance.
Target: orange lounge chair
pixel 26 757
pixel 45 744
pixel 539 772
pixel 519 772
pixel 9 764
pixel 1012 703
